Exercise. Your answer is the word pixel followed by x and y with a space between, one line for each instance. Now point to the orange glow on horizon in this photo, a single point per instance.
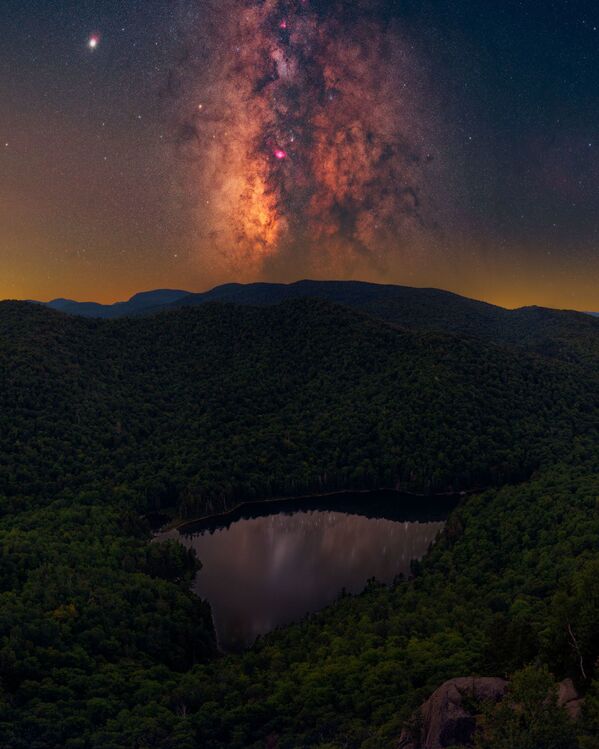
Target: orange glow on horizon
pixel 493 284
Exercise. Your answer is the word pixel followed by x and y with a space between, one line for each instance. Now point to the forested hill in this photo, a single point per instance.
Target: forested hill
pixel 101 644
pixel 552 332
pixel 564 333
pixel 209 405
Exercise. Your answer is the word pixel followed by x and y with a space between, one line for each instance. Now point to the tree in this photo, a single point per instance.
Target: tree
pixel 528 717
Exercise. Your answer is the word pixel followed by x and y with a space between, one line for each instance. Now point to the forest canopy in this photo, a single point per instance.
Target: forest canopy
pixel 104 421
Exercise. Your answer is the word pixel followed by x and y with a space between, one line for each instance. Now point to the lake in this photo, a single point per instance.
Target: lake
pixel 271 563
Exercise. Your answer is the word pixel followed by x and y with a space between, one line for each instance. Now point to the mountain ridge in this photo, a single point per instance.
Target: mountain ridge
pixel 156 300
pixel 133 305
pixel 564 334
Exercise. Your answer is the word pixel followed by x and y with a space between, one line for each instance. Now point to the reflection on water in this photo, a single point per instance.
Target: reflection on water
pixel 263 572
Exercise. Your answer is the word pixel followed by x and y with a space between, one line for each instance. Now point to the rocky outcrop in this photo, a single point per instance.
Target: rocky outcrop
pixel 569 699
pixel 446 718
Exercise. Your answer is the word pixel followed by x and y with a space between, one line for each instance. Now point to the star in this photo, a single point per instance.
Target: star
pixel 93 41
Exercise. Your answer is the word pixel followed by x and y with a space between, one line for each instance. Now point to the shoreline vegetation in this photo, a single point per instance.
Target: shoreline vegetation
pixel 179 524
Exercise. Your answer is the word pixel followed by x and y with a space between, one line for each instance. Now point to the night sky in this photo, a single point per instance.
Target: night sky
pixel 183 144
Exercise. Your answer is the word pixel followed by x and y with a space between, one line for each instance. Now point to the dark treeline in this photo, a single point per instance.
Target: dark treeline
pixel 102 645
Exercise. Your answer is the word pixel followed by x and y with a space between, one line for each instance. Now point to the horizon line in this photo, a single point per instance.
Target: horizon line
pixel 289 283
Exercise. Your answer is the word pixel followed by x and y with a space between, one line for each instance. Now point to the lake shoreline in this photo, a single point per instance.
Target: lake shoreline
pixel 270 564
pixel 178 523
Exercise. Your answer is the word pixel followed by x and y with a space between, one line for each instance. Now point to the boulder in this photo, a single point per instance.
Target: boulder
pixel 447 718
pixel 569 699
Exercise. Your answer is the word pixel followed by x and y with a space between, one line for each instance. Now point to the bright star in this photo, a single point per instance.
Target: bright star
pixel 93 41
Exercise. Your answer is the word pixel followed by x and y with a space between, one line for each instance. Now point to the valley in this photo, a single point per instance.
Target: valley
pixel 201 409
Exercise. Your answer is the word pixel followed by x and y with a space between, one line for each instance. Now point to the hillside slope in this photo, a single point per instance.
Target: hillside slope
pixel 571 335
pixel 101 644
pixel 210 405
pixel 563 333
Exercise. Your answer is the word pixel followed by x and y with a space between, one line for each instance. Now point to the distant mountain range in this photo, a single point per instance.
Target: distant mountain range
pixel 423 310
pixel 358 294
pixel 134 306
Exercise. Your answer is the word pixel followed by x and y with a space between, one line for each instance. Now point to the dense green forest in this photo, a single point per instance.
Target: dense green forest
pixel 206 406
pixel 103 421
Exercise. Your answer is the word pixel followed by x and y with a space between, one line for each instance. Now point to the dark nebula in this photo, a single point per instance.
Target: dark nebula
pixel 307 137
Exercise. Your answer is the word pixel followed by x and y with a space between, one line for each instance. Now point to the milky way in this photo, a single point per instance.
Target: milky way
pixel 307 137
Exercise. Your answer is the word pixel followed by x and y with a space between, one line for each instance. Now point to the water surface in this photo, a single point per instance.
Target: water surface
pixel 260 572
